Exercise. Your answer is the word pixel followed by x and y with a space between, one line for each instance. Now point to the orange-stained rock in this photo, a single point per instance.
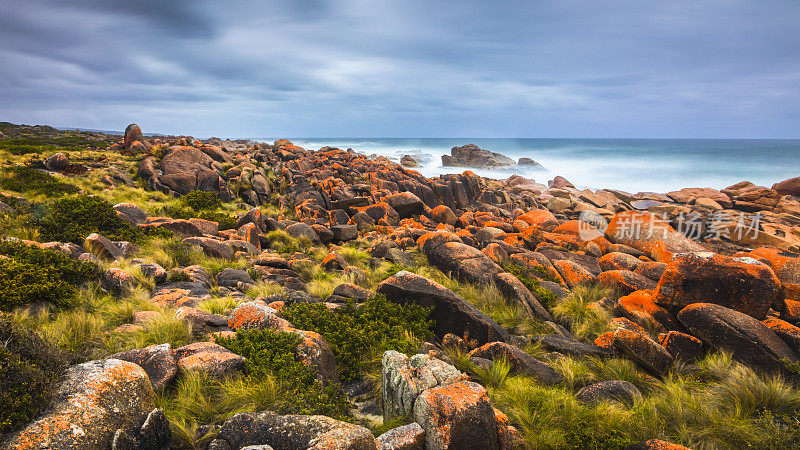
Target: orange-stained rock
pixel 541 218
pixel 651 269
pixel 510 437
pixel 605 340
pixel 786 266
pixel 656 444
pixel 458 415
pixel 92 402
pixel 208 357
pixel 747 339
pixel 333 261
pixel 496 253
pixel 786 331
pixel 681 345
pixel 649 233
pixel 619 261
pixel 791 311
pixel 572 273
pixel 644 351
pixel 639 307
pixel 443 214
pixel 742 284
pixel 625 281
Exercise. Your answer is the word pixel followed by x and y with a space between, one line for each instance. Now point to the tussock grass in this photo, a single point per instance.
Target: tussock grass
pixel 264 289
pixel 218 305
pixel 586 322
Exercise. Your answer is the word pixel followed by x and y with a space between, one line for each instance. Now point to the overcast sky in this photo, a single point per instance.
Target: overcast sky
pixel 409 68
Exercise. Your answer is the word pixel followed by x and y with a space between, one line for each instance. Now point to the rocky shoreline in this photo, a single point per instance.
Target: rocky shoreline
pixel 683 274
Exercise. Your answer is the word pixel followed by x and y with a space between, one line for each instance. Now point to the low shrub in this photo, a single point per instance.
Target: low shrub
pixel 352 331
pixel 201 201
pixel 71 219
pixel 271 353
pixel 27 180
pixel 29 369
pixel 30 274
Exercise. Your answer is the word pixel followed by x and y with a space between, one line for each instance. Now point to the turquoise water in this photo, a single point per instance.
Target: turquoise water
pixel 634 165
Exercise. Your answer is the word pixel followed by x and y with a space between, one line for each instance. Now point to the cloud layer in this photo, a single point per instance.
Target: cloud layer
pixel 469 68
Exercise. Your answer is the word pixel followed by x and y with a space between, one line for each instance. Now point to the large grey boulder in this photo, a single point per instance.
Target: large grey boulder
pixel 451 313
pixel 404 378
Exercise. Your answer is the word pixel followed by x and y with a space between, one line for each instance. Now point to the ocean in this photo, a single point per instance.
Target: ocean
pixel 633 165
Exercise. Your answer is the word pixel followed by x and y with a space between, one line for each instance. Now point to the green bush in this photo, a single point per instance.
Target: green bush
pixel 28 180
pixel 271 353
pixel 30 274
pixel 201 200
pixel 352 331
pixel 530 278
pixel 71 219
pixel 29 369
pixel 200 205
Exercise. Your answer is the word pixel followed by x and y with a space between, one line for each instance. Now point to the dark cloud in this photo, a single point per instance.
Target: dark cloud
pixel 701 68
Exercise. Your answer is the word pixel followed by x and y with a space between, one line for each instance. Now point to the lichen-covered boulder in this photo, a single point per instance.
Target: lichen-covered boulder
pixel 94 400
pixel 644 351
pixel 650 234
pixel 406 437
pixel 741 283
pixel 404 378
pixel 292 432
pixel 458 415
pixel 156 360
pixel 208 357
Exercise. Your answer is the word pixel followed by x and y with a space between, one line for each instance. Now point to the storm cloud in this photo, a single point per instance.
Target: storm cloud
pixel 469 68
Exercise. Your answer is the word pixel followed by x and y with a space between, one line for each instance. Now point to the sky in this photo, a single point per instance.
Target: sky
pixel 410 68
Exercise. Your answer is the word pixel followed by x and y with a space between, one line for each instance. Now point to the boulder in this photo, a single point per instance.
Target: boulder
pixel 208 357
pixel 92 402
pixel 650 234
pixel 102 247
pixel 406 437
pixel 408 161
pixel 57 162
pixel 614 390
pixel 211 247
pixel 450 313
pixel 656 444
pixel 644 351
pixel 405 203
pixel 458 415
pixel 471 155
pixel 521 362
pixel 740 283
pixel 513 289
pixel 130 213
pixel 749 340
pixel 681 345
pixel 788 187
pixel 156 360
pixel 571 347
pixel 133 134
pixel 300 229
pixel 786 266
pixel 404 378
pixel 292 432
